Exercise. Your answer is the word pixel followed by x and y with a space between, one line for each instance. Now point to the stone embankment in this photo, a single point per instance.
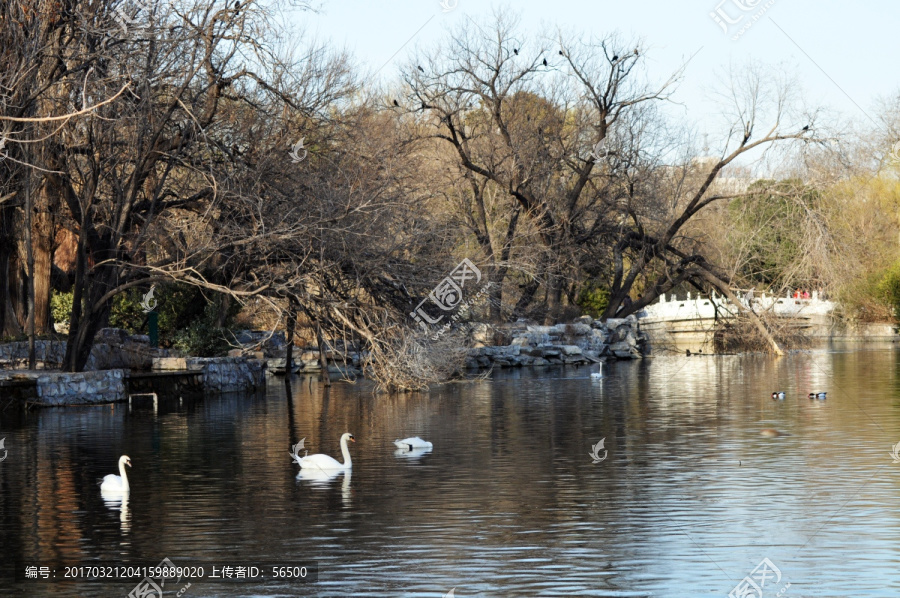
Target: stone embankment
pixel 119 365
pixel 113 349
pixel 581 342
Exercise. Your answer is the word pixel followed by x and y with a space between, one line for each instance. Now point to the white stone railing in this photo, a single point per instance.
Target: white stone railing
pixel 708 307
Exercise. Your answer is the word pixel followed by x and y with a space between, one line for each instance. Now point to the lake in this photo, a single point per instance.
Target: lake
pixel 685 498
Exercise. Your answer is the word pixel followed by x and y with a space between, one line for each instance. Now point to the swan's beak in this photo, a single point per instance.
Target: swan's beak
pixel 352 439
pixel 128 463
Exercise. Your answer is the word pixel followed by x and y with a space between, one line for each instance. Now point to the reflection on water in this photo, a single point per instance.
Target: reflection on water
pixel 689 501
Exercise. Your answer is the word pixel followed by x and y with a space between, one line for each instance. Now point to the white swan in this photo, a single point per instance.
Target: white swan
pixel 413 442
pixel 324 461
pixel 117 484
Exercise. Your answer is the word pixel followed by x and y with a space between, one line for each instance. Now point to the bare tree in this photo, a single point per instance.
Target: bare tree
pixel 534 121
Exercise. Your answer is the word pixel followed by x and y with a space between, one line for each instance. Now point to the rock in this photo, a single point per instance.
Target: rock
pixel 586 320
pixel 613 323
pixel 623 350
pixel 570 349
pixel 244 337
pixel 111 336
pixel 540 361
pixel 579 329
pixel 235 353
pixel 600 335
pixel 482 333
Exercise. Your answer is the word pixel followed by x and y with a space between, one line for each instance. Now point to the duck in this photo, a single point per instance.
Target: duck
pixel 117 485
pixel 321 461
pixel 413 442
pixel 772 433
pixel 817 395
pixel 778 395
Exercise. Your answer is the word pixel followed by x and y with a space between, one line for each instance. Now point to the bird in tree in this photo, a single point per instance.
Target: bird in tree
pixel 545 62
pixel 615 57
pixel 420 68
pixel 806 128
pixel 516 51
pixel 561 53
pixel 396 103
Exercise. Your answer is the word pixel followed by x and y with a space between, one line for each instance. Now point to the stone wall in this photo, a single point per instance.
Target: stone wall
pixel 581 342
pixel 83 388
pixel 219 374
pixel 229 374
pixel 113 349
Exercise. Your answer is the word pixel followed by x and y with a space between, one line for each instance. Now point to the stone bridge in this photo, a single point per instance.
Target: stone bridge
pixel 690 323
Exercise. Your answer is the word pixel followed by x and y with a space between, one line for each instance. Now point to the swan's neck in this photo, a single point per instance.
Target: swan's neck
pixel 123 475
pixel 346 452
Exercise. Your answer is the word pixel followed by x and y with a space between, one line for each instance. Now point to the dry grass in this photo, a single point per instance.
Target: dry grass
pixel 412 360
pixel 740 334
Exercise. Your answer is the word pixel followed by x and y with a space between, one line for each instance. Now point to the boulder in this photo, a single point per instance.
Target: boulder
pixel 111 336
pixel 579 329
pixel 570 349
pixel 586 320
pixel 623 350
pixel 482 334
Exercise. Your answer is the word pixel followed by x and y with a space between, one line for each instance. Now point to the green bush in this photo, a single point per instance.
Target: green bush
pixel 202 338
pixel 61 306
pixel 888 288
pixel 593 299
pixel 187 317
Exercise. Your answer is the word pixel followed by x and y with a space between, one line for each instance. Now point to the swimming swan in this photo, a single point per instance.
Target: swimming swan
pixel 321 461
pixel 117 484
pixel 413 442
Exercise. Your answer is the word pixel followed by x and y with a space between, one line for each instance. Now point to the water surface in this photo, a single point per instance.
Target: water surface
pixel 688 501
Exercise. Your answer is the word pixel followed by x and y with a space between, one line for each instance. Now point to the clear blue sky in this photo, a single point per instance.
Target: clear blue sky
pixel 835 47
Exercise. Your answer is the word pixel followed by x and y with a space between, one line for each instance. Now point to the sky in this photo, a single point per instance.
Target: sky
pixel 844 57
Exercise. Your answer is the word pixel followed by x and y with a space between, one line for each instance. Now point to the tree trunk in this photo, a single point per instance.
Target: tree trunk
pixel 289 349
pixel 495 293
pixel 42 245
pixel 323 361
pixel 9 325
pixel 554 296
pixel 525 299
pixel 29 260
